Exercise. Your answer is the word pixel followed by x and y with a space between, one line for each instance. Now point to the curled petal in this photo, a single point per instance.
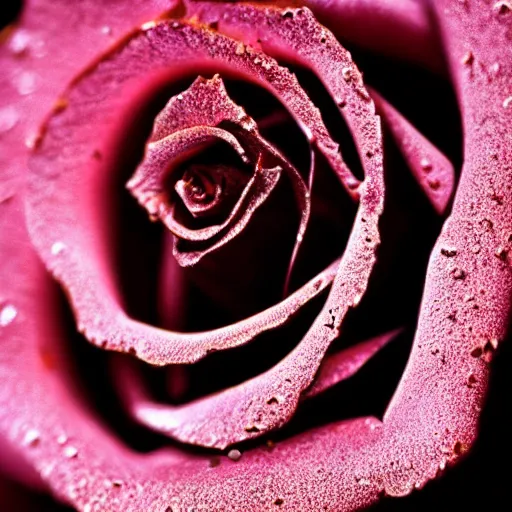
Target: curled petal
pixel 179 422
pixel 403 29
pixel 67 177
pixel 175 133
pixel 346 363
pixel 342 466
pixel 430 168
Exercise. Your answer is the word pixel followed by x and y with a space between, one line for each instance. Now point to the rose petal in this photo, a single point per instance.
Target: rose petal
pixel 399 28
pixel 346 363
pixel 343 466
pixel 81 266
pixel 430 168
pixel 206 104
pixel 177 421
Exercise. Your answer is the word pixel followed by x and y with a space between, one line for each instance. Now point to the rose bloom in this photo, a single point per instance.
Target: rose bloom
pixel 255 256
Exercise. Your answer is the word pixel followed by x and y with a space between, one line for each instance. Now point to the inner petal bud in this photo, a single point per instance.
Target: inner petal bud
pixel 209 189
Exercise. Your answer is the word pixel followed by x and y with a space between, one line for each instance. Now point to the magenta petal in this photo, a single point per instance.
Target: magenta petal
pixel 399 28
pixel 344 466
pixel 180 421
pixel 346 363
pixel 430 168
pixel 188 120
pixel 78 257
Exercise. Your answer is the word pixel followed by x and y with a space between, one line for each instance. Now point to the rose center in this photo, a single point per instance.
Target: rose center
pixel 205 189
pixel 199 185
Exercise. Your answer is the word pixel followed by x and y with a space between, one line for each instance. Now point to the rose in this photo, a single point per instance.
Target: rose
pixel 413 444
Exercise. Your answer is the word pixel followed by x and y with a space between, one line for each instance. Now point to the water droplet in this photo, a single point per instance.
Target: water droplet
pixel 501 253
pixel 33 141
pixel 70 452
pixel 508 102
pixel 62 439
pixel 495 69
pixel 434 184
pixel 346 73
pixel 503 7
pixel 58 247
pixel 8 118
pixel 106 30
pixel 426 164
pixel 32 437
pixel 26 83
pixel 148 25
pixel 458 274
pixel 234 454
pixel 18 43
pixel 300 237
pixel 471 380
pixel 476 352
pixel 7 315
pixel 491 345
pixel 47 470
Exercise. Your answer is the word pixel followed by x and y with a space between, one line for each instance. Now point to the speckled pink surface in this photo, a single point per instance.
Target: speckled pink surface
pixel 48 230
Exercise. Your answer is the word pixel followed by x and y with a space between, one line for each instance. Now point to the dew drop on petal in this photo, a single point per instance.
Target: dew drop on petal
pixel 32 437
pixel 503 7
pixel 32 141
pixel 57 248
pixel 19 42
pixel 426 164
pixel 148 25
pixel 7 315
pixel 70 452
pixel 234 454
pixel 8 118
pixel 25 83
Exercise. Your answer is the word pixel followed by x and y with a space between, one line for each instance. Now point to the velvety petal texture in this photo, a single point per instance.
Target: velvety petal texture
pixel 63 131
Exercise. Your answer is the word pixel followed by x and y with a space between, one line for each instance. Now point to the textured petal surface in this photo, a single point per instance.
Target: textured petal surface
pixel 77 258
pixel 430 168
pixel 433 417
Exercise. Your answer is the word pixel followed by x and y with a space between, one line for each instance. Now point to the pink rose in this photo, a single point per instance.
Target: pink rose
pixel 342 245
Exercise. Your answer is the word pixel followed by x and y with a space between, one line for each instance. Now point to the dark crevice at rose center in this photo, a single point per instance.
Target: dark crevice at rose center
pixel 205 187
pixel 274 122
